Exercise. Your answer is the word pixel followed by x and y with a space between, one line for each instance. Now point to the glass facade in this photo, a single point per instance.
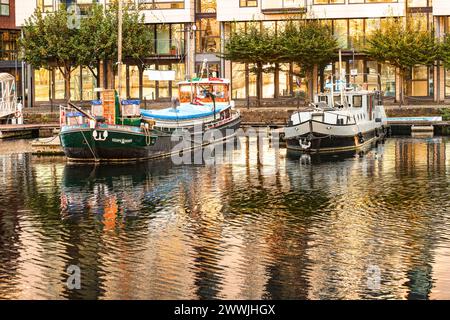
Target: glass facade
pixel 49 84
pixel 284 79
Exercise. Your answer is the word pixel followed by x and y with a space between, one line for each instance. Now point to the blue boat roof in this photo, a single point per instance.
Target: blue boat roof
pixel 74 114
pixel 131 102
pixel 183 112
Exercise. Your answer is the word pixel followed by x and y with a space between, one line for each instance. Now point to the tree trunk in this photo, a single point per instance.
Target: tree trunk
pixel 401 87
pixel 259 84
pixel 322 80
pixel 311 85
pixel 109 74
pixel 66 74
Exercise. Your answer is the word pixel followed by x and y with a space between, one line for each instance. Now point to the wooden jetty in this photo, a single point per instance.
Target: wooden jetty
pixel 24 130
pixel 419 126
pixel 47 146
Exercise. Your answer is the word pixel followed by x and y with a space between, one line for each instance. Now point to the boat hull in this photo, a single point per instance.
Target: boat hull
pixel 336 139
pixel 125 144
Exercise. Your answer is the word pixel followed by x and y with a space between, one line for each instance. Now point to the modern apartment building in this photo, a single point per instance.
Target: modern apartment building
pixel 188 32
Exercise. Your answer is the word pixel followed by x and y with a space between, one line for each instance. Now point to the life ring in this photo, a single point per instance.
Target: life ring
pixel 18 114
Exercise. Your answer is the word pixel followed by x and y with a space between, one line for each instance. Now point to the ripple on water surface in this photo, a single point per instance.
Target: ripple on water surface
pixel 279 227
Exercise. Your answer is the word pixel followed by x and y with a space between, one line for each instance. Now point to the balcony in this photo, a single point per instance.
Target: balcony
pixel 283 6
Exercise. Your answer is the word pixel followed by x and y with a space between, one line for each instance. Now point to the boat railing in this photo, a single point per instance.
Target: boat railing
pixel 352 85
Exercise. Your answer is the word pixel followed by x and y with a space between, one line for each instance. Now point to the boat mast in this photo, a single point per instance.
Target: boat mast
pixel 340 77
pixel 119 49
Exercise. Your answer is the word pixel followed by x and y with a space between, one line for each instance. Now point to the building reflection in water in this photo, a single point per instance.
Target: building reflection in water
pixel 263 225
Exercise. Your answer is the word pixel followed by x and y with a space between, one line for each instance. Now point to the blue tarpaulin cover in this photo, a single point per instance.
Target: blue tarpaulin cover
pixel 183 112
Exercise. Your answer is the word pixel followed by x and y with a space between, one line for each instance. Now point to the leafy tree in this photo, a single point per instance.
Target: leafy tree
pixel 49 40
pixel 99 33
pixel 257 45
pixel 444 51
pixel 310 44
pixel 403 45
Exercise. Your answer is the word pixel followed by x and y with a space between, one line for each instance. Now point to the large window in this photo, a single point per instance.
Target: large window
pixel 208 39
pixel 163 86
pixel 284 86
pixel 268 79
pixel 75 84
pixel 388 80
pixel 51 5
pixel 161 4
pixel 329 1
pixel 88 84
pixel 419 3
pixel 180 73
pixel 148 86
pixel 42 84
pixel 238 80
pixel 340 31
pixel 372 76
pixel 45 5
pixel 447 82
pixel 133 82
pixel 163 39
pixel 418 85
pixel 248 3
pixel 8 45
pixel 206 6
pixel 356 33
pixel 168 39
pixel 4 7
pixel 371 1
pixel 123 80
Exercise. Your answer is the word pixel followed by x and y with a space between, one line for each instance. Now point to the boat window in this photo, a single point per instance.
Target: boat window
pixel 185 93
pixel 357 101
pixel 220 91
pixel 324 99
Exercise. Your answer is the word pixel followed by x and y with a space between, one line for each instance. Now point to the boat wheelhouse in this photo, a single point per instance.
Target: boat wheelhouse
pixel 201 101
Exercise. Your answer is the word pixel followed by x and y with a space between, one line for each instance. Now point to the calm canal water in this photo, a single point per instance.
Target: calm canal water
pixel 269 227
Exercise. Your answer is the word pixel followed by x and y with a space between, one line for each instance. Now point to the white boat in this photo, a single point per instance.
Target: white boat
pixel 338 122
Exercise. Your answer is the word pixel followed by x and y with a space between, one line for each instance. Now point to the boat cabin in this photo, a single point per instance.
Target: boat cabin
pixel 196 91
pixel 351 99
pixel 106 110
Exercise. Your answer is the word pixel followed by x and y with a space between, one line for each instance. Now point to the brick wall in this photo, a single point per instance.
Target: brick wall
pixel 9 22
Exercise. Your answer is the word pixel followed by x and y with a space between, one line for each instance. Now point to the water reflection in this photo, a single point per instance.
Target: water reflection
pixel 264 225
